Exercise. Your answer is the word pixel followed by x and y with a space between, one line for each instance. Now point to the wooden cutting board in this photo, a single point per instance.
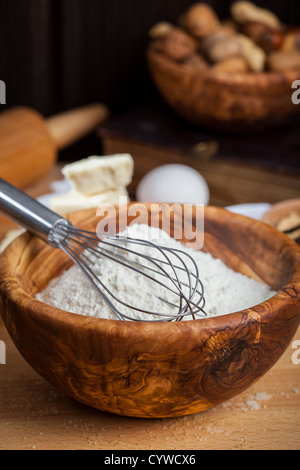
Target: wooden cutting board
pixel 34 415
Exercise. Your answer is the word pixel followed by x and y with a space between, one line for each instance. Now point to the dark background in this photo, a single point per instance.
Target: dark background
pixel 60 54
pixel 57 54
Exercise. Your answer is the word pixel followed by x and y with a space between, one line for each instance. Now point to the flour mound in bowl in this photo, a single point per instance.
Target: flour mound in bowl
pixel 225 290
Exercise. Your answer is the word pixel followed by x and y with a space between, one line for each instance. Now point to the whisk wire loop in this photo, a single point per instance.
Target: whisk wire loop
pixel 82 246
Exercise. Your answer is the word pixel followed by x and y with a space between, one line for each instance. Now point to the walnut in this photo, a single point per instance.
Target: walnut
pixel 269 39
pixel 221 45
pixel 200 20
pixel 179 45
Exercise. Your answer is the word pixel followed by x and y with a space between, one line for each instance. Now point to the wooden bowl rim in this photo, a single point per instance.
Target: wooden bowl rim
pixel 246 79
pixel 41 311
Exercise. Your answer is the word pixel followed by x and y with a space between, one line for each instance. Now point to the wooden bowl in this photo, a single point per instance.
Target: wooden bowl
pixel 236 103
pixel 156 369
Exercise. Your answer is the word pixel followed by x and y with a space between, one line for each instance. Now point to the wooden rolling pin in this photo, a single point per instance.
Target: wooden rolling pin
pixel 29 143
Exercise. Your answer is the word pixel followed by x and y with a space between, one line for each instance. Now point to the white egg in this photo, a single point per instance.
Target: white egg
pixel 173 183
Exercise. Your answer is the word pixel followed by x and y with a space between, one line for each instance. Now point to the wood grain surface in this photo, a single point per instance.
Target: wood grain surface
pixel 229 183
pixel 148 369
pixel 35 416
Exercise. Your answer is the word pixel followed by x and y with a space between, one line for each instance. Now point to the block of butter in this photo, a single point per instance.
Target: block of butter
pixel 95 175
pixel 75 201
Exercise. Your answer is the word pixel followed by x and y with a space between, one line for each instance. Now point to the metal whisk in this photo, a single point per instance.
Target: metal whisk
pixel 172 270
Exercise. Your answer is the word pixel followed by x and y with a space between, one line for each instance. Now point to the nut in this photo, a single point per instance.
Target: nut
pixel 221 46
pixel 291 41
pixel 279 61
pixel 177 44
pixel 160 30
pixel 246 12
pixel 230 24
pixel 180 45
pixel 232 65
pixel 200 20
pixel 254 55
pixel 267 38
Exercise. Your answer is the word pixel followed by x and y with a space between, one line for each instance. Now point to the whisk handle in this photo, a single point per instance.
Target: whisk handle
pixel 28 212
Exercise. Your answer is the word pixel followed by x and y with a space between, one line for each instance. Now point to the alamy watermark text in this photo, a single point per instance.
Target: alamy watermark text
pixel 296 94
pixel 2 352
pixel 296 353
pixel 2 92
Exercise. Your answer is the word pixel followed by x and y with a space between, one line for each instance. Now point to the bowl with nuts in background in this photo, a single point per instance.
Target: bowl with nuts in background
pixel 230 75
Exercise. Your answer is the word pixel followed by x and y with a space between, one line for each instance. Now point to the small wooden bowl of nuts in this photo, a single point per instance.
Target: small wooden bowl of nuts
pixel 234 75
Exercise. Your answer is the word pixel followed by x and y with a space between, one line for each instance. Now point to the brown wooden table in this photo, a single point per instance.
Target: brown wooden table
pixel 33 415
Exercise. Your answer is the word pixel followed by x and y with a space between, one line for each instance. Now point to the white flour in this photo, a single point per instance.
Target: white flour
pixel 225 290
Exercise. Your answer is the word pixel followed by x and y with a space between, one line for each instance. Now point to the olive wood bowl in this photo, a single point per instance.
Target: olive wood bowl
pixel 239 102
pixel 145 369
